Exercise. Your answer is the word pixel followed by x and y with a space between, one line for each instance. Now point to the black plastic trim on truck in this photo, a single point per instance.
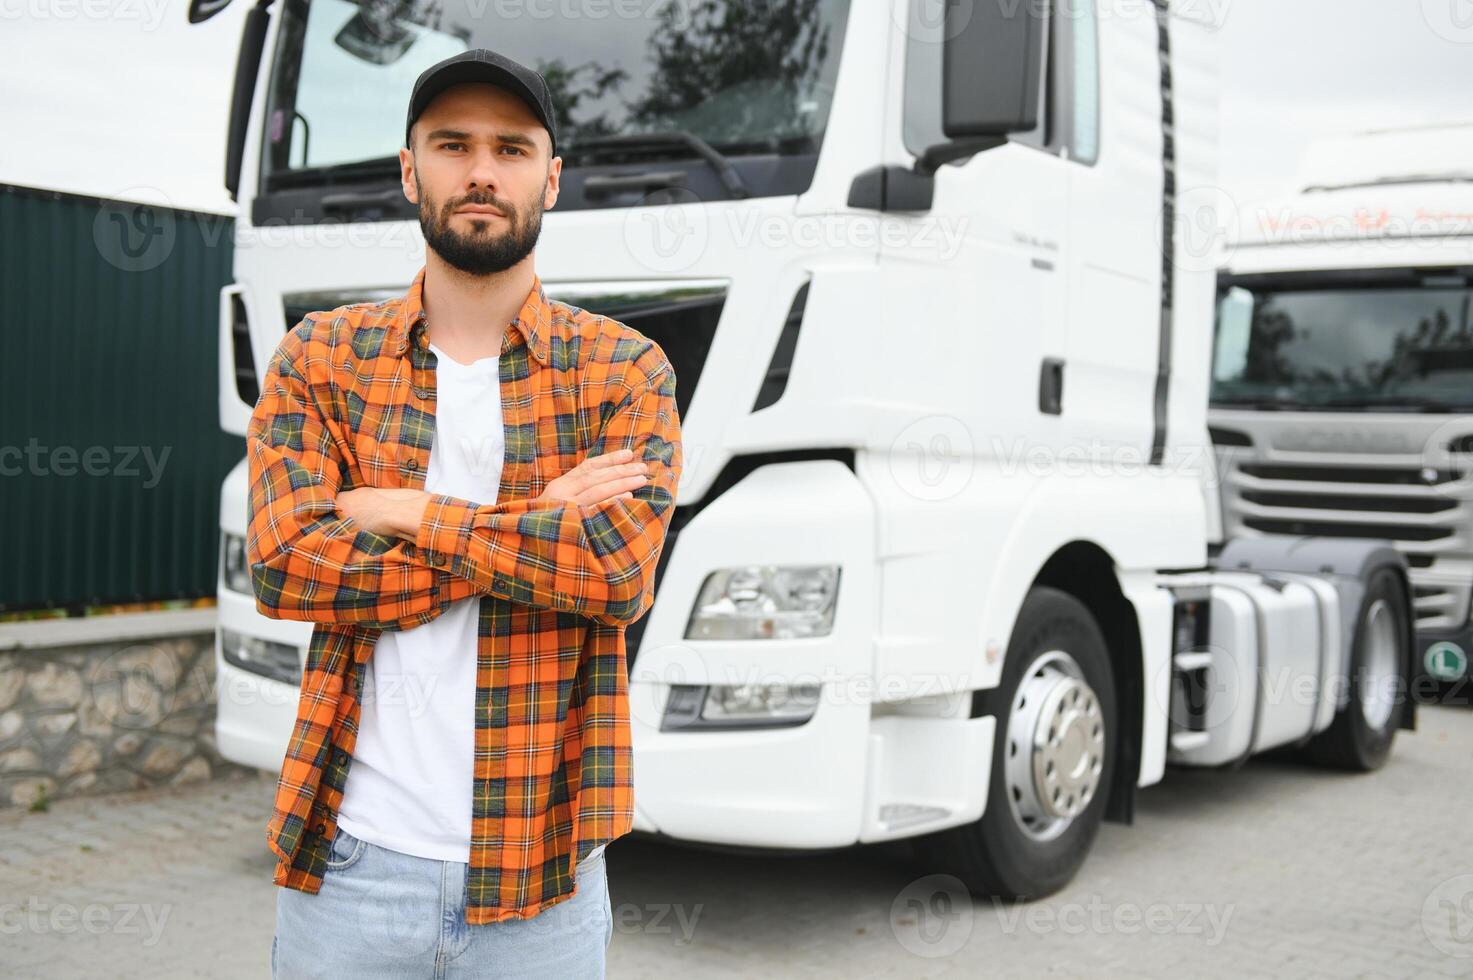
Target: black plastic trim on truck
pixel 1168 231
pixel 685 329
pixel 1221 436
pixel 1051 386
pixel 889 187
pixel 246 386
pixel 247 66
pixel 1393 277
pixel 775 379
pixel 306 198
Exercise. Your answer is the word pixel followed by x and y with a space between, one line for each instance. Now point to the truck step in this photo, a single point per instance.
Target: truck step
pixel 1185 741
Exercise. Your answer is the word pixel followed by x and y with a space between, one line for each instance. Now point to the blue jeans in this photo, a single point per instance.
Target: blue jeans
pixel 382 913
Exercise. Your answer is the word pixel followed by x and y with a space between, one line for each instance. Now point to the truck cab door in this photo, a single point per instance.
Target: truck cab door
pixel 1114 179
pixel 986 262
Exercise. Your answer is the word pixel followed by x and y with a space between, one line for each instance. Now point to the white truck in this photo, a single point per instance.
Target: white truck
pixel 939 564
pixel 1342 387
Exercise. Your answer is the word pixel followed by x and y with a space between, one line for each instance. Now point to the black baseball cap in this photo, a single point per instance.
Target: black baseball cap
pixel 483 65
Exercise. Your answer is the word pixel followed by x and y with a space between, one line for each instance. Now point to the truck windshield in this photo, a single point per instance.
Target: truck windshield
pixel 746 78
pixel 1407 346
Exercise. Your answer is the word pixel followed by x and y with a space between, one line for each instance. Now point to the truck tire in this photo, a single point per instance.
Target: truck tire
pixel 1053 758
pixel 1360 737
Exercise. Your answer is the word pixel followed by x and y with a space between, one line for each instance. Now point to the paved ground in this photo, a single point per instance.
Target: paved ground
pixel 1274 870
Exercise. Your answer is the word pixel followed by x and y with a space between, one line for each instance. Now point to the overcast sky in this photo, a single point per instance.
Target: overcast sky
pixel 1293 70
pixel 145 95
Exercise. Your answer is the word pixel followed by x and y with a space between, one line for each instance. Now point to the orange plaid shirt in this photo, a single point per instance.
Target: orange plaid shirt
pixel 348 401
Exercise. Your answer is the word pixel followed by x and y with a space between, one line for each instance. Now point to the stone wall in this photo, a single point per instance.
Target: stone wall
pixel 85 720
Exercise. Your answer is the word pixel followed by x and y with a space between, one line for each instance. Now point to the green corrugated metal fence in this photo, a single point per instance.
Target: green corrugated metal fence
pixel 111 453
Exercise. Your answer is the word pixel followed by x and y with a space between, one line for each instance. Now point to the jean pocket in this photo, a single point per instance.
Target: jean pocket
pixel 345 850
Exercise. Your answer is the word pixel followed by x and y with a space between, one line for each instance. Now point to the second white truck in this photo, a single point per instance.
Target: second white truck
pixel 1342 384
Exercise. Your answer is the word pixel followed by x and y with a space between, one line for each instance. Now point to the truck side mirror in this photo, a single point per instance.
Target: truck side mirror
pixel 990 64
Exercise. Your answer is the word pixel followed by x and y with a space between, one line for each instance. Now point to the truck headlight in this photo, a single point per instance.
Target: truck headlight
pixel 233 564
pixel 719 706
pixel 278 661
pixel 765 602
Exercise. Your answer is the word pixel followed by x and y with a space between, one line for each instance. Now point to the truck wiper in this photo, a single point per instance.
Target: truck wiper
pixel 671 139
pixel 336 173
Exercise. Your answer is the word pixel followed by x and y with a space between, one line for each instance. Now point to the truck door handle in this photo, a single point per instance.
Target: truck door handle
pixel 1051 386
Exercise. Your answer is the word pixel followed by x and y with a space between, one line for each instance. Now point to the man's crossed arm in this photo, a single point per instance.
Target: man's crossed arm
pixel 395 558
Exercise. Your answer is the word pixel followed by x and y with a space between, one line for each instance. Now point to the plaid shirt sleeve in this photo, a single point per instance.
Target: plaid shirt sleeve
pixel 307 561
pixel 595 560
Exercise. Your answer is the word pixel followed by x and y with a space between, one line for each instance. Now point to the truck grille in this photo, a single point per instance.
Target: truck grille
pixel 1424 512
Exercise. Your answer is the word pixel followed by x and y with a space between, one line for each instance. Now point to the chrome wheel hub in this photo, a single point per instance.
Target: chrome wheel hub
pixel 1055 749
pixel 1379 677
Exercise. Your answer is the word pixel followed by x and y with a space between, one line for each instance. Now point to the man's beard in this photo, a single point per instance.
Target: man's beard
pixel 483 252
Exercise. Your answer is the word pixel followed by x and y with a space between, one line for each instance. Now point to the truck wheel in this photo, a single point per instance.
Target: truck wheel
pixel 1052 762
pixel 1360 737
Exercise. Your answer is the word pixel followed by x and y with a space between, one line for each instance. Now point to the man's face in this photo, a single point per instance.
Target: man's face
pixel 481 174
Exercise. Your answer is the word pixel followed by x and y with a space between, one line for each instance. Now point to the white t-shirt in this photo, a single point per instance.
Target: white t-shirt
pixel 410 780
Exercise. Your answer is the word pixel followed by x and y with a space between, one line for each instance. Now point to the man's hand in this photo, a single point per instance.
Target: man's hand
pixel 599 478
pixel 390 513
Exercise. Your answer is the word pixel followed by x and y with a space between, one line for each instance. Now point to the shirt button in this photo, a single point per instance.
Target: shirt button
pixel 411 464
pixel 423 394
pixel 437 560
